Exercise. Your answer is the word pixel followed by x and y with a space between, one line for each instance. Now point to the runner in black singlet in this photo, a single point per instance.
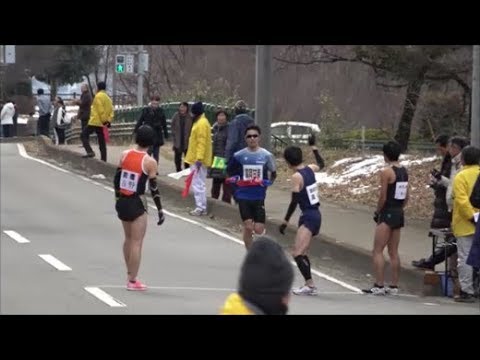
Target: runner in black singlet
pixel 389 218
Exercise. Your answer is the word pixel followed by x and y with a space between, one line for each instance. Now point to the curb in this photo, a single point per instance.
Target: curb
pixel 343 255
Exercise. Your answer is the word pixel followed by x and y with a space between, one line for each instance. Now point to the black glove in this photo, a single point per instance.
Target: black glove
pixel 311 140
pixel 161 217
pixel 375 217
pixel 282 228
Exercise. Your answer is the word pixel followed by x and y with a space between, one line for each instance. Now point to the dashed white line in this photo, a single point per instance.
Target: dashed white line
pixel 105 297
pixel 57 264
pixel 187 288
pixel 16 236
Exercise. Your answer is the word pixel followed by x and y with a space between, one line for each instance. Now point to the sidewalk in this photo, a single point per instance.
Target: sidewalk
pixel 352 227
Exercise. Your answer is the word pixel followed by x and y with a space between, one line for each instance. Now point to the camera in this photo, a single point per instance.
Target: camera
pixel 436 174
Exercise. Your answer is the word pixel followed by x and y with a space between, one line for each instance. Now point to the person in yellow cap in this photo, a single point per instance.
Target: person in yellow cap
pixel 266 279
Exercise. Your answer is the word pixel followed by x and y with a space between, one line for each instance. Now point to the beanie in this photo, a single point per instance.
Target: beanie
pixel 197 108
pixel 266 275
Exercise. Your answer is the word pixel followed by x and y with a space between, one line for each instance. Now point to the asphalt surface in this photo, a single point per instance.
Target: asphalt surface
pixel 189 270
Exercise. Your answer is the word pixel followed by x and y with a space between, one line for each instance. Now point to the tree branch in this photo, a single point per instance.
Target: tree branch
pixel 391 85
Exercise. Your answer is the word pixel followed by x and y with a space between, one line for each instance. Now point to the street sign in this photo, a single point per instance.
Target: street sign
pixel 129 61
pixel 9 54
pixel 143 62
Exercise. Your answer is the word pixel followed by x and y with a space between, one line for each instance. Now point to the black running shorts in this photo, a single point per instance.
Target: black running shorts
pixel 252 210
pixel 393 217
pixel 131 207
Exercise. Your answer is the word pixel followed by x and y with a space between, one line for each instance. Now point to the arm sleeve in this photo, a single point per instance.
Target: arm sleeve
pixel 155 193
pixel 319 159
pixel 116 183
pixel 293 205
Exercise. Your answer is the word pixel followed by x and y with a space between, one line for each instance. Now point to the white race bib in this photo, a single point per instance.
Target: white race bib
pixel 401 190
pixel 252 171
pixel 129 180
pixel 312 193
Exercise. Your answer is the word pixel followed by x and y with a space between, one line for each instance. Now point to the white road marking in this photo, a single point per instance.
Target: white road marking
pixel 171 288
pixel 16 236
pixel 430 304
pixel 188 288
pixel 57 264
pixel 23 153
pixel 105 297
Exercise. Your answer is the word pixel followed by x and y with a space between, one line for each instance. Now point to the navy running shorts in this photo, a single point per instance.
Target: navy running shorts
pixel 312 220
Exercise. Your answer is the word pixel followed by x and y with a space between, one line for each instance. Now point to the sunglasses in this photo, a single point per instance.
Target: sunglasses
pixel 254 136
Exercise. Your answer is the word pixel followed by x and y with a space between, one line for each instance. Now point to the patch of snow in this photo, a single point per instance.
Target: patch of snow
pixel 359 167
pixel 345 160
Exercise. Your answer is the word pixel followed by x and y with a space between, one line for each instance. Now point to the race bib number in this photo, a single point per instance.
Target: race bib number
pixel 312 192
pixel 252 171
pixel 401 190
pixel 129 180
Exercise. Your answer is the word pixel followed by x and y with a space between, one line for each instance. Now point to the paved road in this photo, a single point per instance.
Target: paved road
pixel 190 270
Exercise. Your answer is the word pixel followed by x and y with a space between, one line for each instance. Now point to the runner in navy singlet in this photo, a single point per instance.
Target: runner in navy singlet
pixel 305 194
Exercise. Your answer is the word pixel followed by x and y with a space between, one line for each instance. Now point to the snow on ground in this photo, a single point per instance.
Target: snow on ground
pixel 356 167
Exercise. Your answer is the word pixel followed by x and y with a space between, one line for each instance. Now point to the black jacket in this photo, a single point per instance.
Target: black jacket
pixel 154 117
pixel 441 216
pixel 220 135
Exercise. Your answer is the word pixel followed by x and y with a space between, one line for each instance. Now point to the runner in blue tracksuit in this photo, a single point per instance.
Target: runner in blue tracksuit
pixel 248 171
pixel 305 194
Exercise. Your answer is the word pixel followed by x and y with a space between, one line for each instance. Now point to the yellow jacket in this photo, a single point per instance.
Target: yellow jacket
pixel 463 211
pixel 200 143
pixel 101 111
pixel 235 305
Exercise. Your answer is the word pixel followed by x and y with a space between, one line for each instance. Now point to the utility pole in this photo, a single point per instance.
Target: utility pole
pixel 3 70
pixel 475 101
pixel 114 75
pixel 140 78
pixel 263 92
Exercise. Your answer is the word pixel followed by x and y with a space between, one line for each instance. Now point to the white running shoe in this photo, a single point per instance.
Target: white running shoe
pixel 391 291
pixel 306 290
pixel 375 290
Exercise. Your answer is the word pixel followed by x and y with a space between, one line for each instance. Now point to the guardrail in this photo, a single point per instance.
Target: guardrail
pixel 125 130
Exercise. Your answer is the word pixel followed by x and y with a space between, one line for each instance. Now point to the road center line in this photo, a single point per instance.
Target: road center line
pixel 103 296
pixel 16 236
pixel 57 264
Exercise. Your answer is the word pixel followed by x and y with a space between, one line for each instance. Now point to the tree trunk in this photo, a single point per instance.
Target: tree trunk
pixel 90 85
pixel 411 99
pixel 53 88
